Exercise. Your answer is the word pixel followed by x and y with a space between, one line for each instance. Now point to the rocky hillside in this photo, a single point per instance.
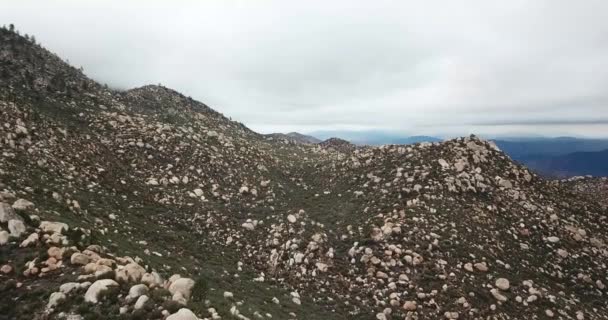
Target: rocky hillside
pixel 146 204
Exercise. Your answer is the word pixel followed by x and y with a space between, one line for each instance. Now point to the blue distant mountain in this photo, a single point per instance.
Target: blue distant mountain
pixel 373 137
pixel 593 163
pixel 525 147
pixel 559 157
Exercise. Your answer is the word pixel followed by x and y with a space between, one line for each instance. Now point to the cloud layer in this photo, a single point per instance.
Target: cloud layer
pixel 432 67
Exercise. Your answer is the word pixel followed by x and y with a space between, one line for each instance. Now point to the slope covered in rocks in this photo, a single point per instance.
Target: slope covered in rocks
pixel 144 187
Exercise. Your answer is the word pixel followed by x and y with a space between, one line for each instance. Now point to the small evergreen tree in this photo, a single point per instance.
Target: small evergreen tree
pixel 11 27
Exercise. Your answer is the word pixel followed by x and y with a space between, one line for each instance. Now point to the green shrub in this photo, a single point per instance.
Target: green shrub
pixel 172 306
pixel 160 295
pixel 200 289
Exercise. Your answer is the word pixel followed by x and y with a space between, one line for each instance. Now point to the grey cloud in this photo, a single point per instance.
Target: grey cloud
pixel 421 67
pixel 603 121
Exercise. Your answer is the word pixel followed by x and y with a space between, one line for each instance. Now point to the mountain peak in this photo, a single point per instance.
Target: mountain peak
pixel 29 66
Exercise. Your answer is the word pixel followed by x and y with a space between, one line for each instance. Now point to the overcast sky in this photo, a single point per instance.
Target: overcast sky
pixel 419 67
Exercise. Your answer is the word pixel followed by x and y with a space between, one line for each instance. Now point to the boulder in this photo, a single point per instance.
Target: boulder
pixel 6 196
pixel 92 294
pixel 6 212
pixel 105 262
pixel 93 256
pixel 183 314
pixel 481 266
pixel 32 239
pixel 152 279
pixel 53 227
pixel 498 296
pixel 505 183
pixel 137 290
pixel 80 259
pixel 95 248
pixel 322 266
pixel 68 287
pixel 298 257
pixel 103 271
pixel 55 299
pixel 141 301
pixel 55 252
pixel 3 237
pixel 377 234
pixel 502 284
pixel 181 288
pixel 16 227
pixel 91 267
pixel 172 279
pixel 410 305
pixel 6 269
pixel 23 205
pixel 132 272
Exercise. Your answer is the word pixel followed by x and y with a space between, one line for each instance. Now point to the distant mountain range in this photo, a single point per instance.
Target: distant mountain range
pixel 524 147
pixel 373 137
pixel 559 157
pixel 555 157
pixel 593 163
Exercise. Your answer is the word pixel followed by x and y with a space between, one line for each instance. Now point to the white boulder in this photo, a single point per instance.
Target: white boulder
pixel 16 227
pixel 6 212
pixel 132 272
pixel 79 259
pixel 152 279
pixel 502 284
pixel 141 301
pixel 92 294
pixel 3 237
pixel 181 288
pixel 32 239
pixel 53 227
pixel 183 314
pixel 137 291
pixel 55 299
pixel 23 205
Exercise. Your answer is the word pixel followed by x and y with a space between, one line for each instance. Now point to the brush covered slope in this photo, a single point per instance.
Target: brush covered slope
pixel 146 204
